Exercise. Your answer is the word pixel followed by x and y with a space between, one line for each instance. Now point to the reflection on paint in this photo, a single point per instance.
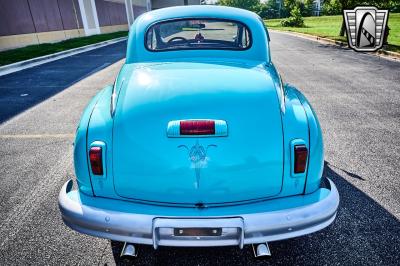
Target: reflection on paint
pixel 143 78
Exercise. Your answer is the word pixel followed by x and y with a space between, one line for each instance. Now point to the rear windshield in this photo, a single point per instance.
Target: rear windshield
pixel 197 34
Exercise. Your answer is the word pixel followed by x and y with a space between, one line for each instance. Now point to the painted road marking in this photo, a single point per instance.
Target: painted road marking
pixel 37 136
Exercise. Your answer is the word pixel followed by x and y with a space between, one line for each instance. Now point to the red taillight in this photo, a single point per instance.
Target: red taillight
pixel 96 160
pixel 197 127
pixel 300 158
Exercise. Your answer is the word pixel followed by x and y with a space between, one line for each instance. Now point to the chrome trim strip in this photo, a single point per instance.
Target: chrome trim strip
pixel 240 229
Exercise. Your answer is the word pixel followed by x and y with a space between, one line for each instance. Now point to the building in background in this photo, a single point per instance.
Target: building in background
pixel 317 7
pixel 28 22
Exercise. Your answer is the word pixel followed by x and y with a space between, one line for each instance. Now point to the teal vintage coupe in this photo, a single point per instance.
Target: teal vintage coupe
pixel 198 142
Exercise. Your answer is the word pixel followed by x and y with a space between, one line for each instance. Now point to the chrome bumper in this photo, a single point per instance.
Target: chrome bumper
pixel 142 227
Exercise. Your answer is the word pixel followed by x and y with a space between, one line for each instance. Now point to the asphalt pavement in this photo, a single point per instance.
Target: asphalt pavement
pixel 21 90
pixel 356 97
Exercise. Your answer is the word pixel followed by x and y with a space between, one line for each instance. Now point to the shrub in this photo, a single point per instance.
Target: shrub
pixel 295 19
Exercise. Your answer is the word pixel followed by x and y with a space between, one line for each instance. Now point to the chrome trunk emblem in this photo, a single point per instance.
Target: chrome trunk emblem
pixel 198 157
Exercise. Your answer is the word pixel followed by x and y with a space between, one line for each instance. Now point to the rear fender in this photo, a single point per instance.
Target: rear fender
pixel 295 128
pixel 100 131
pixel 316 150
pixel 80 148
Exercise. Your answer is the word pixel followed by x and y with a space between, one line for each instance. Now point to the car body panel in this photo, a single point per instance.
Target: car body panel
pixel 247 164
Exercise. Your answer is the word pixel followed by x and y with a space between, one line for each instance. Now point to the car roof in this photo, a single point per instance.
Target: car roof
pixel 136 52
pixel 223 12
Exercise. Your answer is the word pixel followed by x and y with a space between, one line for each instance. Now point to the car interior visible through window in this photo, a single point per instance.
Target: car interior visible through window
pixel 198 34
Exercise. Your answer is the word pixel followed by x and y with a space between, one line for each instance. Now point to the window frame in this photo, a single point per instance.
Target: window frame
pixel 150 27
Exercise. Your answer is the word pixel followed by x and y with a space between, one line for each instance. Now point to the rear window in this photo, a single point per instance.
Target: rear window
pixel 197 34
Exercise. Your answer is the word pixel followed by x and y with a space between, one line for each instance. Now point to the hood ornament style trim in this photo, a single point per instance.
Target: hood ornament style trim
pixel 198 157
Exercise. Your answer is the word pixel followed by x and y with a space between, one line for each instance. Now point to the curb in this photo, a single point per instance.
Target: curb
pixel 14 67
pixel 382 53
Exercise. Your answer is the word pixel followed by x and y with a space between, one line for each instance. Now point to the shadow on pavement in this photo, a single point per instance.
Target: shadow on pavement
pixel 364 233
pixel 26 88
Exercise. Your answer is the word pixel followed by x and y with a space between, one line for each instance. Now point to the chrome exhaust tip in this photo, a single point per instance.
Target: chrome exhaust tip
pixel 129 250
pixel 261 250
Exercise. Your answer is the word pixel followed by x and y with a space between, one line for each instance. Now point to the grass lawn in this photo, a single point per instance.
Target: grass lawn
pixel 32 51
pixel 329 27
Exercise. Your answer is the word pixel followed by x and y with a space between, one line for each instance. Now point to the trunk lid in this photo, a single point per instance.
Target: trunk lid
pixel 245 164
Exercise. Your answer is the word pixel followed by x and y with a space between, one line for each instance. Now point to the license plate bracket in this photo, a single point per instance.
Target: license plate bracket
pixel 196 231
pixel 229 232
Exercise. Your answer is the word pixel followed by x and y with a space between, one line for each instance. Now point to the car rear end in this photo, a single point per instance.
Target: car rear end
pixel 198 147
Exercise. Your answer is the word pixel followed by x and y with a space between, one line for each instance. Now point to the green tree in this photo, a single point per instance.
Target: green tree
pixel 394 6
pixel 308 7
pixel 335 7
pixel 288 6
pixel 268 10
pixel 331 7
pixel 305 6
pixel 245 4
